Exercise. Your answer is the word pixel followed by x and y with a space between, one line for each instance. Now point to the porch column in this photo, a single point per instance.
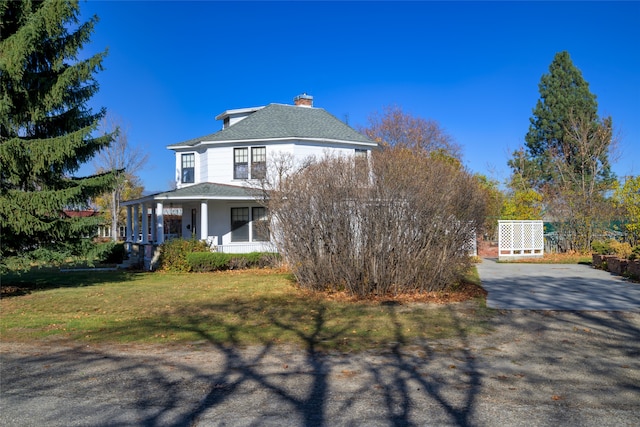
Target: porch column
pixel 154 231
pixel 145 224
pixel 129 237
pixel 204 220
pixel 159 224
pixel 136 223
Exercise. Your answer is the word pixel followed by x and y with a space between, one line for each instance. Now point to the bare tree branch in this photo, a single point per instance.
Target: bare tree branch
pixel 125 160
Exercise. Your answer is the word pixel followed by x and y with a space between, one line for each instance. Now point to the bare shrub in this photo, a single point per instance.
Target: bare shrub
pixel 394 127
pixel 579 199
pixel 404 228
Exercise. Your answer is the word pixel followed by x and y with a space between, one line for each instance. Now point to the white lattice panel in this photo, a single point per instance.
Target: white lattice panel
pixel 520 239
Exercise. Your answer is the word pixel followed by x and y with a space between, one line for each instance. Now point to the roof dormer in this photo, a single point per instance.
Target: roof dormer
pixel 231 117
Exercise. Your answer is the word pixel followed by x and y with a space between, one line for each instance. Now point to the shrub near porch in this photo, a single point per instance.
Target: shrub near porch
pixel 201 262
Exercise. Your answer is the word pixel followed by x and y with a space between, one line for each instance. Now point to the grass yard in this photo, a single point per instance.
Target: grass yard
pixel 227 308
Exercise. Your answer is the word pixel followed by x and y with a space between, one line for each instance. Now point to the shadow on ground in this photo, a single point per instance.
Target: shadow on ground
pixel 39 279
pixel 557 363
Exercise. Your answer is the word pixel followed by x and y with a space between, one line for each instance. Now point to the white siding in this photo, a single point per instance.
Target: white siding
pixel 202 167
pixel 303 152
pixel 220 164
pixel 176 175
pixel 215 163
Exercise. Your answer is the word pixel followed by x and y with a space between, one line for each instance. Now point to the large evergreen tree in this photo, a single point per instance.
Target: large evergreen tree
pixel 564 98
pixel 566 155
pixel 46 127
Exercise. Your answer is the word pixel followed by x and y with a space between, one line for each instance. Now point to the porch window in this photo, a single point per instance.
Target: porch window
pixel 188 168
pixel 239 224
pixel 240 163
pixel 260 224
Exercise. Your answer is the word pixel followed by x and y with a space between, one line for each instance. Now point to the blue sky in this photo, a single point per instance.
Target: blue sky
pixel 472 66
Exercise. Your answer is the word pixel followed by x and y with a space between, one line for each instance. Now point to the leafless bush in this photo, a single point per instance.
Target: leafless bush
pixel 578 200
pixel 395 128
pixel 403 228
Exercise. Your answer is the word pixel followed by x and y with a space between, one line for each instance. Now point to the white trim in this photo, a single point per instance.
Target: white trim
pixel 145 225
pixel 159 223
pixel 204 220
pixel 237 111
pixel 136 233
pixel 260 141
pixel 520 239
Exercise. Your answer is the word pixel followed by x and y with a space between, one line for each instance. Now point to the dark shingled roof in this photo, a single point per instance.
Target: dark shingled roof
pixel 277 121
pixel 208 189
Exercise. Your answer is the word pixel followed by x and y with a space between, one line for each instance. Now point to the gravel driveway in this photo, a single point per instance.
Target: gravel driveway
pixel 556 287
pixel 536 368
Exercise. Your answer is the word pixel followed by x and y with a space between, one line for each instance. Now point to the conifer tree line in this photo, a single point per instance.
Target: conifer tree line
pixel 46 127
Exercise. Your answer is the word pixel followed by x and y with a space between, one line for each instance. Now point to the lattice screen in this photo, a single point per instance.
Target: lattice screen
pixel 519 239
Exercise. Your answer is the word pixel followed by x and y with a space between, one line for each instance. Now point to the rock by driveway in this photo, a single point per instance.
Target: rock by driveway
pixel 556 287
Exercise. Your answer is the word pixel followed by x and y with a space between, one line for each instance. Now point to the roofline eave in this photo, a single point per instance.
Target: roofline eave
pixel 371 144
pixel 185 199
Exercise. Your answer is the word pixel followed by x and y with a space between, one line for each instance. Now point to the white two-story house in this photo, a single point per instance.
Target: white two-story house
pixel 215 173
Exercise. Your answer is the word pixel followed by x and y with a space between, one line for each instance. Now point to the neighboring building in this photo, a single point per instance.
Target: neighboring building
pixel 85 213
pixel 215 173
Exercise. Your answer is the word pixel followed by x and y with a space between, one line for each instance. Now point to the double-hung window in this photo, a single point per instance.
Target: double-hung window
pixel 258 162
pixel 260 224
pixel 361 164
pixel 240 163
pixel 245 167
pixel 239 224
pixel 188 168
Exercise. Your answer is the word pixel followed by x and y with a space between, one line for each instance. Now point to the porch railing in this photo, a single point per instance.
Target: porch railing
pixel 245 248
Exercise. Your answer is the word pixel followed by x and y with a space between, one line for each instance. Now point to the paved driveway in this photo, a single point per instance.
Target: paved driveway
pixel 556 287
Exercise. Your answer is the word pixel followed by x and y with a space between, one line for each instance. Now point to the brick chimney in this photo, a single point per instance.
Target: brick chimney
pixel 303 100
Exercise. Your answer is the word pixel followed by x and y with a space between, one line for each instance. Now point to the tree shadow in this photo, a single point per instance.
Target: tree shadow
pixel 405 383
pixel 298 383
pixel 410 374
pixel 39 279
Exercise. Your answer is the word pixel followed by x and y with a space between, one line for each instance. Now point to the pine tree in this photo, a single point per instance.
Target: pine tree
pixel 566 155
pixel 46 127
pixel 564 96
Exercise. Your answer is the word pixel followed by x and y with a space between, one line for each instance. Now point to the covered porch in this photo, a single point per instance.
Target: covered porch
pixel 229 218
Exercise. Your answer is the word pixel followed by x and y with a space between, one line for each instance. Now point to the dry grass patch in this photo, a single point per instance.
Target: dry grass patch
pixel 556 258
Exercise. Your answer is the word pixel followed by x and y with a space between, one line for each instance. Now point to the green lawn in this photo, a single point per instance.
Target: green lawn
pixel 239 308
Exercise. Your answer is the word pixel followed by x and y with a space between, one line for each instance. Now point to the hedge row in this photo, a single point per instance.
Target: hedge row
pixel 174 253
pixel 216 261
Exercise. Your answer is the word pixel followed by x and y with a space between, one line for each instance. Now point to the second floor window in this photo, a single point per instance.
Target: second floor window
pixel 188 168
pixel 243 169
pixel 258 162
pixel 240 163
